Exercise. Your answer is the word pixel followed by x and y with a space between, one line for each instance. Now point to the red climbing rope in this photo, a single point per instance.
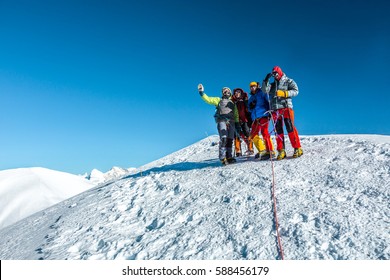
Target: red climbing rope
pixel 274 196
pixel 275 212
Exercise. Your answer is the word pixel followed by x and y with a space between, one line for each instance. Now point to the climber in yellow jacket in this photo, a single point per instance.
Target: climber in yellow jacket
pixel 226 117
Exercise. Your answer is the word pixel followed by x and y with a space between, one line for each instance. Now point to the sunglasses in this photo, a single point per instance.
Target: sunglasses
pixel 275 73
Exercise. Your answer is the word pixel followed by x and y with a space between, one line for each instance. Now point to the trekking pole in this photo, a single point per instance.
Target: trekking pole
pixel 270 111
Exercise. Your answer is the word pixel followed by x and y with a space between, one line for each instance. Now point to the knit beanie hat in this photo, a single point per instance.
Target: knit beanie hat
pixel 226 92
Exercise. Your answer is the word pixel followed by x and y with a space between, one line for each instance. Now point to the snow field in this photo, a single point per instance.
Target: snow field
pixel 333 203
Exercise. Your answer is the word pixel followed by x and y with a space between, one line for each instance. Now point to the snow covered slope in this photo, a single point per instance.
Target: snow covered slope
pixel 25 191
pixel 333 203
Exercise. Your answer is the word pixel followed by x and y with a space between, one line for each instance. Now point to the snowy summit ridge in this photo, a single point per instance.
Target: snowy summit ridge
pixel 332 203
pixel 24 191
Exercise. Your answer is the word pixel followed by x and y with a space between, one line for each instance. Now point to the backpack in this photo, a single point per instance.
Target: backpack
pixel 225 111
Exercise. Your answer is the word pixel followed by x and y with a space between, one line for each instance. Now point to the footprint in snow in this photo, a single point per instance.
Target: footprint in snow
pixel 154 225
pixel 53 226
pixel 176 190
pixel 139 238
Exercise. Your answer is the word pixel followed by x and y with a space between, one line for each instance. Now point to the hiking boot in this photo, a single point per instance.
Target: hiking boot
pixel 224 161
pixel 257 155
pixel 231 160
pixel 281 154
pixel 238 154
pixel 265 155
pixel 249 153
pixel 297 152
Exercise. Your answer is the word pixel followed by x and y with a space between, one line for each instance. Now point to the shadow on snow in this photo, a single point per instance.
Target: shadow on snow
pixel 180 166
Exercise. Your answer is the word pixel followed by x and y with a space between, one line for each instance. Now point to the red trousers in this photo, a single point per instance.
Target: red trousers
pixel 261 125
pixel 286 116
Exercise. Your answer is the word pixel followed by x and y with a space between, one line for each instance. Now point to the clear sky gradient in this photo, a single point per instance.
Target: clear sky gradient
pixel 95 84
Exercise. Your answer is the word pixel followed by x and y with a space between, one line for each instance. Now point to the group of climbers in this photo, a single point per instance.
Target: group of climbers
pixel 243 119
pixel 240 98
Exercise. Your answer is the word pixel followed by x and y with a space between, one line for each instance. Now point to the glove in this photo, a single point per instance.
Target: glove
pixel 252 104
pixel 200 89
pixel 269 75
pixel 282 93
pixel 238 128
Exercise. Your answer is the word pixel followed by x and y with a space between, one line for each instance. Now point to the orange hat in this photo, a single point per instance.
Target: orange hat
pixel 253 84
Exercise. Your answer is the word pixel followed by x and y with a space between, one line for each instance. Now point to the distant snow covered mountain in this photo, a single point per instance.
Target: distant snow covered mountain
pixel 24 191
pixel 98 177
pixel 332 203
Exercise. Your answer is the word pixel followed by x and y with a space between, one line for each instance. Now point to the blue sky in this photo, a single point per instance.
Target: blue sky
pixel 96 84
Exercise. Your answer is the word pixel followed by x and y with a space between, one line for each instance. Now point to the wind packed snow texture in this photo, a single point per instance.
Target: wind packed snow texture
pixel 333 203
